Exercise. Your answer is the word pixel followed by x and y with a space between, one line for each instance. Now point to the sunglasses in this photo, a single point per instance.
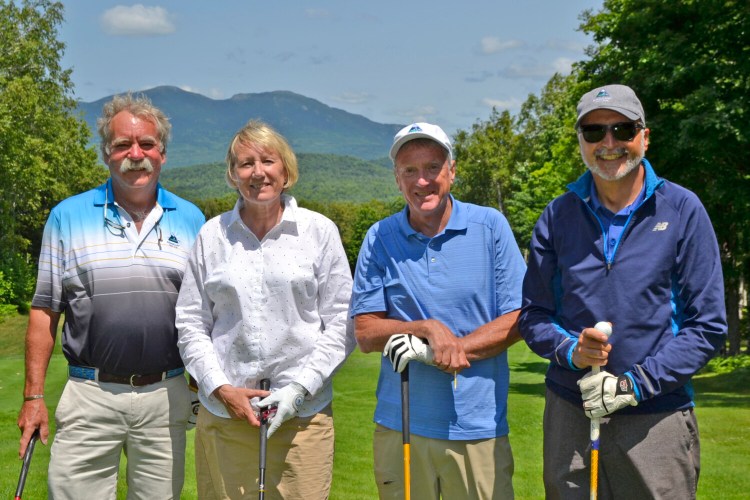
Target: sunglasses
pixel 624 131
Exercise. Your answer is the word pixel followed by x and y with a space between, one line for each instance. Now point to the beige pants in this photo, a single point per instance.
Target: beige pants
pixel 96 422
pixel 453 470
pixel 299 458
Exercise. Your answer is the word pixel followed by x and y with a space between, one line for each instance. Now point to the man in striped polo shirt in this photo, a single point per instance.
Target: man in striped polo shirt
pixel 112 260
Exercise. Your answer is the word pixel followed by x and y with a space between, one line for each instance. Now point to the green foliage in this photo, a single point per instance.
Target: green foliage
pixel 518 164
pixel 17 278
pixel 323 177
pixel 689 62
pixel 728 364
pixel 43 151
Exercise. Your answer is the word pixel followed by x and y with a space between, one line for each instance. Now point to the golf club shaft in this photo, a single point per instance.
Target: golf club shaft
pixel 405 433
pixel 265 384
pixel 594 482
pixel 26 463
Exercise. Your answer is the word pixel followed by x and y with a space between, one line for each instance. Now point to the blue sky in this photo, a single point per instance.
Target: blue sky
pixel 390 61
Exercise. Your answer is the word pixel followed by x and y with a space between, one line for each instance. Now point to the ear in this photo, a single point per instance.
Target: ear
pixel 452 171
pixel 646 138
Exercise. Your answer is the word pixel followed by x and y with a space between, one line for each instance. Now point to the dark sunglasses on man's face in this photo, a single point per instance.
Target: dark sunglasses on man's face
pixel 623 131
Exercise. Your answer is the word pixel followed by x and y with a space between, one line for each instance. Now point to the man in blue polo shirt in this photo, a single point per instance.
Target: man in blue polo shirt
pixel 112 261
pixel 440 283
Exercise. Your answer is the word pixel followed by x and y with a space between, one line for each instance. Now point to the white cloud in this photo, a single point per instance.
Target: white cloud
pixel 537 71
pixel 509 104
pixel 213 92
pixel 563 65
pixel 317 13
pixel 418 114
pixel 353 98
pixel 479 77
pixel 137 20
pixel 568 45
pixel 493 45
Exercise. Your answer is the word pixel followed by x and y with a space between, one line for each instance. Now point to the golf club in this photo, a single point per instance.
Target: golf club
pixel 605 328
pixel 405 431
pixel 26 463
pixel 265 384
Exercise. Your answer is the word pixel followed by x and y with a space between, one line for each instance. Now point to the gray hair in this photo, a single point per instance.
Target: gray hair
pixel 139 106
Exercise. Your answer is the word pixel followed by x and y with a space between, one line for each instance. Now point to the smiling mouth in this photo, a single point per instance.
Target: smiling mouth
pixel 610 157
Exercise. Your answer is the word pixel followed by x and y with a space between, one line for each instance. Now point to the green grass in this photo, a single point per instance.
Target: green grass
pixel 723 415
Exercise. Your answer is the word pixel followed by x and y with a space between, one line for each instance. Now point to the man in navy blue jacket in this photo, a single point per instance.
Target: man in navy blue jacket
pixel 626 247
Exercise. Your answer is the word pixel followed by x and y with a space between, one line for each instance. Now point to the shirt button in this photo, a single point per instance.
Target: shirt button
pixel 433 259
pixel 612 241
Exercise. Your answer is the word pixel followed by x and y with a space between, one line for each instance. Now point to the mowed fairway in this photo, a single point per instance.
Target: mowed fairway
pixel 723 414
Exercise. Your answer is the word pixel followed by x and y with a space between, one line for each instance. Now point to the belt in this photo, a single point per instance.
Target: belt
pixel 135 380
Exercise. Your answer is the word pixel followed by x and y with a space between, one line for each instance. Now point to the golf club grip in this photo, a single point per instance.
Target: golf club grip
pixel 26 463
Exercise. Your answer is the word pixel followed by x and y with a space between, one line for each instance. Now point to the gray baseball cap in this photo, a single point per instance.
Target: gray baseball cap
pixel 620 98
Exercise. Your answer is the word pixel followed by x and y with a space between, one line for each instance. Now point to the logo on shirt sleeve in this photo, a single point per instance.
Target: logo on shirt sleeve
pixel 660 226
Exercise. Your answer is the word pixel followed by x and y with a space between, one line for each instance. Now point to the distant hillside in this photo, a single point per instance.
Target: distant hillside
pixel 202 127
pixel 323 178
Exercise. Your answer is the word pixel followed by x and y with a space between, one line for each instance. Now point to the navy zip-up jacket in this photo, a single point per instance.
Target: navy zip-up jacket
pixel 662 290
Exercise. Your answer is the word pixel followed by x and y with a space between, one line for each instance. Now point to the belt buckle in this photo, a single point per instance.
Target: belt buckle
pixel 131 380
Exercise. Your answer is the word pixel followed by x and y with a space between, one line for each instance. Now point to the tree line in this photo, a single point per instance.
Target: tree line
pixel 688 61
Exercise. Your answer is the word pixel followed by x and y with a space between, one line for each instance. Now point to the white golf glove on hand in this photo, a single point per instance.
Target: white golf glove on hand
pixel 403 347
pixel 287 400
pixel 603 393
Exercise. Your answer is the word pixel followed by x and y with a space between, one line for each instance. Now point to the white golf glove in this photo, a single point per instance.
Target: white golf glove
pixel 403 347
pixel 195 406
pixel 603 393
pixel 287 401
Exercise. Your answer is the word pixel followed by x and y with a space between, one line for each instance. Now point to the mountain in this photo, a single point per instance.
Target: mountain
pixel 202 127
pixel 323 178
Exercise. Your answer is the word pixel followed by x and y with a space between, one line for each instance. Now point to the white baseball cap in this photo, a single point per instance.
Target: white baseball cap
pixel 417 131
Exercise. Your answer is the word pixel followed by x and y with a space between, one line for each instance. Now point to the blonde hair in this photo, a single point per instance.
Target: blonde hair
pixel 260 134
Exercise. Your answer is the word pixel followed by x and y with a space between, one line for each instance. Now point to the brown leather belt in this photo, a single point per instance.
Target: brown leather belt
pixel 135 380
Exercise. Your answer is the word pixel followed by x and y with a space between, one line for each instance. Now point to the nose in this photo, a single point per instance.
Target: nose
pixel 135 152
pixel 609 139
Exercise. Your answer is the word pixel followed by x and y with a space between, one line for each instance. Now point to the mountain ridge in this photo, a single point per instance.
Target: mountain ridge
pixel 202 127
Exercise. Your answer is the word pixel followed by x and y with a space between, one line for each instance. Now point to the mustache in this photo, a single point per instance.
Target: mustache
pixel 129 165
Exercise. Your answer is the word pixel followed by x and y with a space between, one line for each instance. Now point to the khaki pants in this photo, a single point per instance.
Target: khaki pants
pixel 97 421
pixel 299 458
pixel 453 470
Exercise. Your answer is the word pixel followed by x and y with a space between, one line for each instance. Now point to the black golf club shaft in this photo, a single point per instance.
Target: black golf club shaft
pixel 265 384
pixel 26 463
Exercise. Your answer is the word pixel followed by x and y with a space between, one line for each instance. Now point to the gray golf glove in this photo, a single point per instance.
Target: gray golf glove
pixel 287 401
pixel 403 347
pixel 603 393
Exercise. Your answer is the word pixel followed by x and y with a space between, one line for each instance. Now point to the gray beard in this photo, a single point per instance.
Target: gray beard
pixel 630 164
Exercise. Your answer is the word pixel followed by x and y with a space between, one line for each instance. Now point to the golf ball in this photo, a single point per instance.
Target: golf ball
pixel 604 327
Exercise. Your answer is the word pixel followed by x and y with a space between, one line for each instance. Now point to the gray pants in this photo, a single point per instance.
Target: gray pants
pixel 640 456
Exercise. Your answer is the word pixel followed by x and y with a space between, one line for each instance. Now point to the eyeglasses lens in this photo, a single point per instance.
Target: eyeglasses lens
pixel 624 131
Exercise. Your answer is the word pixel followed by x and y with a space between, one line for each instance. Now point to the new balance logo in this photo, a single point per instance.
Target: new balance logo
pixel 660 226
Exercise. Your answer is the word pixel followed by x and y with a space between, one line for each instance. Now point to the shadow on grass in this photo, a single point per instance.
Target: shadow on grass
pixel 530 367
pixel 528 389
pixel 729 390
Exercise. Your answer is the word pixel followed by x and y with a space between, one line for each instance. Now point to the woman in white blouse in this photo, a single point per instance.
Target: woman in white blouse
pixel 265 295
